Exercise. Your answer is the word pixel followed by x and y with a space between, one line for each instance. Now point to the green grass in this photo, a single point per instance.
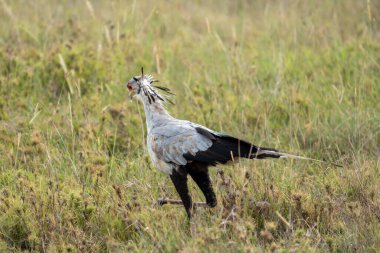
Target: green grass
pixel 301 76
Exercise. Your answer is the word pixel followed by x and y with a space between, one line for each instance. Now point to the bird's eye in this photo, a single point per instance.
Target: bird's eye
pixel 136 80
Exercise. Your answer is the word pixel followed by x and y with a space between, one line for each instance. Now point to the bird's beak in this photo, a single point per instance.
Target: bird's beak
pixel 131 93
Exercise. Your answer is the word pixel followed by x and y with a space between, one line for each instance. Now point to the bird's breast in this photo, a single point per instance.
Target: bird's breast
pixel 156 159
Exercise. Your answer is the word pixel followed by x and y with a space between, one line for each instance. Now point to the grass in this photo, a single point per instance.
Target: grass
pixel 301 76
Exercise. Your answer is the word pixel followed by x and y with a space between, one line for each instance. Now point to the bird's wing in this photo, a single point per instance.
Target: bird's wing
pixel 181 142
pixel 174 140
pixel 225 147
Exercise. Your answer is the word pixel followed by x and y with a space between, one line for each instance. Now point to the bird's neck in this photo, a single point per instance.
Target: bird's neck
pixel 155 114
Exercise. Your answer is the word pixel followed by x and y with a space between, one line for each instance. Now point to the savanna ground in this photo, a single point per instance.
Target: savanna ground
pixel 301 76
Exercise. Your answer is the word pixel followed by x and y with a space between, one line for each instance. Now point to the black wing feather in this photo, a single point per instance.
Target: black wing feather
pixel 225 147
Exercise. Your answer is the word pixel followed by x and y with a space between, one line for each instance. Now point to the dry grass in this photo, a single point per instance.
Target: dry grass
pixel 302 76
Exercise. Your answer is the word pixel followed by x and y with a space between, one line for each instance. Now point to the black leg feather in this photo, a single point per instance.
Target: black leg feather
pixel 180 184
pixel 199 173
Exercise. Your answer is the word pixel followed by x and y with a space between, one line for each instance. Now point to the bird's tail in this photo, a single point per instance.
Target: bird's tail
pixel 225 148
pixel 263 153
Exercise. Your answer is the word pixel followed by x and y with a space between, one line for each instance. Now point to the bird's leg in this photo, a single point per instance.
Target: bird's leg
pixel 180 184
pixel 202 179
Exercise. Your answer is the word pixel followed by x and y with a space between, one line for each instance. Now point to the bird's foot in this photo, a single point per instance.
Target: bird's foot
pixel 163 201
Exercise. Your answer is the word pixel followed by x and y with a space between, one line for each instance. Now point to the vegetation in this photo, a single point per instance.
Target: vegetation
pixel 301 76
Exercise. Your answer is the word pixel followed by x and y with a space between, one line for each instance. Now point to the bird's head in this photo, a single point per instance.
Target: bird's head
pixel 141 87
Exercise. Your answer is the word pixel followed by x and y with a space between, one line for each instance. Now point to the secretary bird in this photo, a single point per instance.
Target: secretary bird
pixel 179 147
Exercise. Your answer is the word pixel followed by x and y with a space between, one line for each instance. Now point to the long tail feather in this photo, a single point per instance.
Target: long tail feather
pixel 226 147
pixel 271 153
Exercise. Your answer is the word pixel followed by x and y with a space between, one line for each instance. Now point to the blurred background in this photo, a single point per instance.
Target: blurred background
pixel 301 76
